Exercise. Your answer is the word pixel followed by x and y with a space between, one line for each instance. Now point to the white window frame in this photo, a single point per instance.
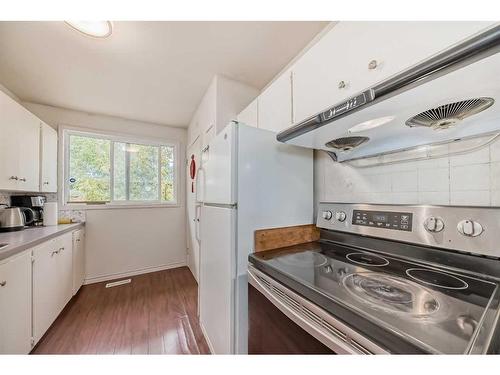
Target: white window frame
pixel 64 133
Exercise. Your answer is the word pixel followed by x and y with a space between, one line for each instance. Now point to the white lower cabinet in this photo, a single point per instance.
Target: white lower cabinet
pixel 78 259
pixel 52 281
pixel 15 304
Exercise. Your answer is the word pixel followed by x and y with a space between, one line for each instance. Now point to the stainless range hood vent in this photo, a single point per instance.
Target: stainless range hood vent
pixel 347 143
pixel 450 114
pixel 449 90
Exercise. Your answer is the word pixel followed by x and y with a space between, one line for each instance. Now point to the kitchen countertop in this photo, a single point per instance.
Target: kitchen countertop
pixel 32 236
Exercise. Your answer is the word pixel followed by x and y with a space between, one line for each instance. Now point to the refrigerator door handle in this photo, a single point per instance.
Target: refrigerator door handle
pixel 197 215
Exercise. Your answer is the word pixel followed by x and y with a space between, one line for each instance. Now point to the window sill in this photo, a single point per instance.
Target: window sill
pixel 112 206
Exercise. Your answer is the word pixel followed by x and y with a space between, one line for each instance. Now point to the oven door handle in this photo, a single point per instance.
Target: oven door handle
pixel 346 341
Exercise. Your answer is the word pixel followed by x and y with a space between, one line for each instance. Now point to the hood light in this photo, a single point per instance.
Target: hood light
pixel 95 29
pixel 370 124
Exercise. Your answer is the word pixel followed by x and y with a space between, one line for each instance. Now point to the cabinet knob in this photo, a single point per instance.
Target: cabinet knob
pixel 13 178
pixel 3 283
pixel 373 64
pixel 342 85
pixel 46 182
pixel 22 179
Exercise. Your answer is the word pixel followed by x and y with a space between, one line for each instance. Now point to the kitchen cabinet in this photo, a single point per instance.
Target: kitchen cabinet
pixel 250 114
pixel 48 162
pixel 20 151
pixel 355 55
pixel 15 304
pixel 52 281
pixel 221 103
pixel 275 104
pixel 78 259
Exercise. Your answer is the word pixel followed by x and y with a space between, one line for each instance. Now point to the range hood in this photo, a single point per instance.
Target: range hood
pixel 451 96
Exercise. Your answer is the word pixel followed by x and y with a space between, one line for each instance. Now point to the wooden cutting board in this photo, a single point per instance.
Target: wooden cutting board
pixel 275 238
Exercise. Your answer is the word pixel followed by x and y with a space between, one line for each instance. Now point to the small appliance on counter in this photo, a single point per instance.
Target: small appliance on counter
pixel 15 218
pixel 382 279
pixel 33 202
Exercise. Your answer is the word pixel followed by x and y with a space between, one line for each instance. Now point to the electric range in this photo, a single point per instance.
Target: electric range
pixel 391 279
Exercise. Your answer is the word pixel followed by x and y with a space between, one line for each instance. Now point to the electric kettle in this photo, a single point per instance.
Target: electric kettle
pixel 15 218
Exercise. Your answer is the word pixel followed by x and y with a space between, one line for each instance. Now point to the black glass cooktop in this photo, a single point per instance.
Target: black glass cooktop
pixel 435 309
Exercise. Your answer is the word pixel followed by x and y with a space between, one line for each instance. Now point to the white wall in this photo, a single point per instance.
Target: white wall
pixel 128 240
pixel 472 179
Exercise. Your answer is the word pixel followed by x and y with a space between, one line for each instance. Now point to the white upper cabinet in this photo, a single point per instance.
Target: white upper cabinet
pixel 275 104
pixel 222 101
pixel 355 55
pixel 249 116
pixel 15 304
pixel 20 147
pixel 48 164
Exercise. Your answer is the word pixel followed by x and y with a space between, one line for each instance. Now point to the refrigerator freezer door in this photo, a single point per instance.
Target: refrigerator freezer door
pixel 219 168
pixel 217 272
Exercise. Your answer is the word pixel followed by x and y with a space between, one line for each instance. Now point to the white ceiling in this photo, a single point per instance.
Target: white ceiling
pixel 148 71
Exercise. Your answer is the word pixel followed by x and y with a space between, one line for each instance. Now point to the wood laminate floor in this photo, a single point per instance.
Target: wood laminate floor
pixel 155 314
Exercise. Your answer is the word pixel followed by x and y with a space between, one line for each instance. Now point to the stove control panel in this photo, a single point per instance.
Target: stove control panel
pixel 383 219
pixel 466 229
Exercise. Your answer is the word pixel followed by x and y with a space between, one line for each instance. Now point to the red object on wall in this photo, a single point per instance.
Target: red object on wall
pixel 192 172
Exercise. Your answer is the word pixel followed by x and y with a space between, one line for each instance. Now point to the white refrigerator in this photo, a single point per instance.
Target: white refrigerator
pixel 249 181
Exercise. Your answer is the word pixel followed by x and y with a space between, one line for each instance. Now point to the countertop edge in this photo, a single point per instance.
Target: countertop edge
pixel 20 247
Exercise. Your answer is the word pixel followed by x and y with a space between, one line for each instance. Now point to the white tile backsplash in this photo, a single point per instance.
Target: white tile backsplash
pixel 470 198
pixel 436 180
pixel 405 181
pixel 480 156
pixel 469 179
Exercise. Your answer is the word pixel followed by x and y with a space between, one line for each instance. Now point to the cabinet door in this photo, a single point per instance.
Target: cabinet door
pixel 48 172
pixel 78 259
pixel 46 296
pixel 338 65
pixel 275 105
pixel 64 264
pixel 395 46
pixel 29 153
pixel 9 141
pixel 15 304
pixel 249 116
pixel 20 151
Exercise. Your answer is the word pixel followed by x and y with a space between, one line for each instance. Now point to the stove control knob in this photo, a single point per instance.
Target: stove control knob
pixel 340 216
pixel 434 224
pixel 470 228
pixel 327 215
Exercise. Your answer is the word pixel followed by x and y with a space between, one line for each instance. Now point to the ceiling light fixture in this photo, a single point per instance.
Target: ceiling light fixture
pixel 95 29
pixel 370 124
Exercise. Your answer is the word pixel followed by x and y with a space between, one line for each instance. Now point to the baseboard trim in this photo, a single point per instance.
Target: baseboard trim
pixel 98 279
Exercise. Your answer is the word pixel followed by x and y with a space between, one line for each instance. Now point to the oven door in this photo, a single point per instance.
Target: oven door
pixel 282 322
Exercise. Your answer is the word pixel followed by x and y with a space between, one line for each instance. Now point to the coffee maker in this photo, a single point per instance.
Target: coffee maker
pixel 35 202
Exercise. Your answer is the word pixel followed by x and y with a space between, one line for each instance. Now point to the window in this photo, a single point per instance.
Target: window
pixel 104 169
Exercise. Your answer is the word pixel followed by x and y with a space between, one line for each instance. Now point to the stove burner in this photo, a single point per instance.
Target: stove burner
pixel 436 278
pixel 304 259
pixel 367 259
pixel 392 294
